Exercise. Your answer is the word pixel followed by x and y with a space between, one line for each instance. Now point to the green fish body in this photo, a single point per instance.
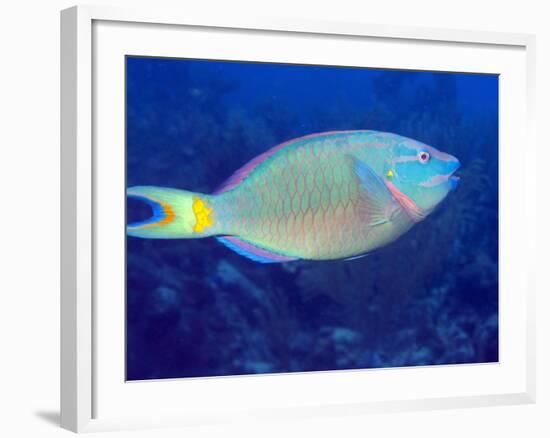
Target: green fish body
pixel 326 196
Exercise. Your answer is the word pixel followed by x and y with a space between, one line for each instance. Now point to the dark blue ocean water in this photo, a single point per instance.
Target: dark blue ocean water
pixel 194 308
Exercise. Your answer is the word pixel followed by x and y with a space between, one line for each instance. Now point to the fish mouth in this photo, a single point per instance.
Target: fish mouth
pixel 437 180
pixel 445 178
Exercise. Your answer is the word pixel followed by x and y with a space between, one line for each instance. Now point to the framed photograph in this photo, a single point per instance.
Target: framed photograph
pixel 279 218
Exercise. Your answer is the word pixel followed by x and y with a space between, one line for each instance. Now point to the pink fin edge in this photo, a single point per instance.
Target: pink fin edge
pixel 253 252
pixel 241 173
pixel 410 207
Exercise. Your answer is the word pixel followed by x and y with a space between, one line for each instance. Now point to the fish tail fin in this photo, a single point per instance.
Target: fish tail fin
pixel 176 214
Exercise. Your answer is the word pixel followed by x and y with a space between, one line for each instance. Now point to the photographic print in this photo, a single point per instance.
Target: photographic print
pixel 297 218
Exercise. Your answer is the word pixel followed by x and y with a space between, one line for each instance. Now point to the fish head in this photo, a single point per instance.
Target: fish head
pixel 422 173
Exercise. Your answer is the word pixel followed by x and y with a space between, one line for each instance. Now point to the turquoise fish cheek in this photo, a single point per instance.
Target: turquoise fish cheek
pixel 413 172
pixel 408 178
pixel 432 196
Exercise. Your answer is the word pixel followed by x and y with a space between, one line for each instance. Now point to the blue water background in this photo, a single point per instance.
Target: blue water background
pixel 194 308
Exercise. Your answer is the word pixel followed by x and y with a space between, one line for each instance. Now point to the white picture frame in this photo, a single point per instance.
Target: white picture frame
pixel 86 376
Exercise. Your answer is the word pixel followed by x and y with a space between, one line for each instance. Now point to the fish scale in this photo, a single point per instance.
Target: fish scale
pixel 316 222
pixel 324 196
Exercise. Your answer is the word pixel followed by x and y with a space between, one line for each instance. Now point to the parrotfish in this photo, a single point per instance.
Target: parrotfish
pixel 333 195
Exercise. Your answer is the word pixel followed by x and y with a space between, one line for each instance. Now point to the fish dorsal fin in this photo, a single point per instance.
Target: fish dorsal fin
pixel 241 173
pixel 380 205
pixel 253 252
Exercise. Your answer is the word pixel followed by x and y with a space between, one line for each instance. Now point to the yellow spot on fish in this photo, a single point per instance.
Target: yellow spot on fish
pixel 202 215
pixel 390 173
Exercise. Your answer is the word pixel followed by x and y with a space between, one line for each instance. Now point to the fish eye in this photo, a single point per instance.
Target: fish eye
pixel 424 156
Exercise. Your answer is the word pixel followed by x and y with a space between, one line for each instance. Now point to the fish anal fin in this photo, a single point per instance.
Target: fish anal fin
pixel 253 252
pixel 360 256
pixel 380 205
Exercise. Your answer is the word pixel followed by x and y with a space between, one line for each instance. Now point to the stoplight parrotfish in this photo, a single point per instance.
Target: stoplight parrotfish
pixel 334 195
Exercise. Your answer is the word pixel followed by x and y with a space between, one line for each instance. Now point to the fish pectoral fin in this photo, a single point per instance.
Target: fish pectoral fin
pixel 379 204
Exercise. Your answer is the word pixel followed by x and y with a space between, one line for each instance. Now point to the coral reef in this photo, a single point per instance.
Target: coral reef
pixel 194 308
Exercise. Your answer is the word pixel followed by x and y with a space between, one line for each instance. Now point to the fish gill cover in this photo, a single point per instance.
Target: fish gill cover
pixel 195 308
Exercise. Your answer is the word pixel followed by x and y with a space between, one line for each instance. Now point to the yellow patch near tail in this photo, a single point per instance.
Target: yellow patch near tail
pixel 202 215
